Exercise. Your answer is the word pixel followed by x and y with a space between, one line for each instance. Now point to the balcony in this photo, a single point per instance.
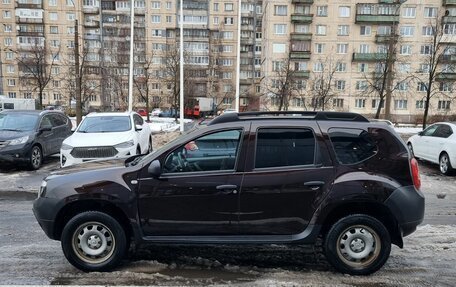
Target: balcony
pixel 31 33
pixel 449 19
pixel 383 38
pixel 140 11
pixel 301 36
pixel 22 20
pixel 248 41
pixel 387 19
pixel 375 13
pixel 300 55
pixel 447 59
pixel 247 27
pixel 28 5
pixel 301 18
pixel 90 10
pixel 88 36
pixel 302 74
pixel 302 1
pixel 369 57
pixel 449 2
pixel 446 76
pixel 92 24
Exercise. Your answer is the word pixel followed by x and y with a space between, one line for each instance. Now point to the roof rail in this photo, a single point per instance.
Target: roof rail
pixel 305 115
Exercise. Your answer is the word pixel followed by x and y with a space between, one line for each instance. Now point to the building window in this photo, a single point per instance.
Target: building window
pixel 10 69
pixel 361 85
pixel 169 19
pixel 421 87
pixel 343 30
pixel 11 82
pixel 376 103
pixel 407 31
pixel 365 30
pixel 322 11
pixel 155 5
pixel 445 87
pixel 319 48
pixel 340 85
pixel 168 5
pixel 344 11
pixel 280 10
pixel 228 7
pixel 428 31
pixel 342 48
pixel 12 95
pixel 400 104
pixel 216 6
pixel 406 50
pixel 318 67
pixel 321 30
pixel 6 14
pixel 7 28
pixel 426 49
pixel 70 16
pixel 363 67
pixel 341 67
pixel 280 29
pixel 53 16
pixel 156 19
pixel 216 20
pixel 338 103
pixel 409 12
pixel 364 48
pixel 430 12
pixel 402 86
pixel 360 103
pixel 54 29
pixel 420 104
pixel 443 105
pixel 229 20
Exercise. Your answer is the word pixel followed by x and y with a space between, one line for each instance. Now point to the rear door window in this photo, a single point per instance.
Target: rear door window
pixel 443 131
pixel 352 145
pixel 281 147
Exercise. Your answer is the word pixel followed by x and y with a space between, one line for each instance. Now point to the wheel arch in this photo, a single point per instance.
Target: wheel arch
pixel 76 207
pixel 374 209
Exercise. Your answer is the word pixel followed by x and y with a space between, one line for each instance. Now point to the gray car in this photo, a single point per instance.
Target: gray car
pixel 26 137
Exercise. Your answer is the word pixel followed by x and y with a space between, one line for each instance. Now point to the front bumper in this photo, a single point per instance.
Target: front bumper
pixel 44 211
pixel 15 153
pixel 407 205
pixel 66 159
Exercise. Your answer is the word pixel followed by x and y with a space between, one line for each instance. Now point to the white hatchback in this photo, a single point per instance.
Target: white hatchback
pixel 106 136
pixel 436 144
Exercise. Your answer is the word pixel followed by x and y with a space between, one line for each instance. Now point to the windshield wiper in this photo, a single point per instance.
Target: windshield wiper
pixel 13 130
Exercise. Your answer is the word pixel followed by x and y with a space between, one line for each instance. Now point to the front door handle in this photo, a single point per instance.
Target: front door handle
pixel 314 185
pixel 227 188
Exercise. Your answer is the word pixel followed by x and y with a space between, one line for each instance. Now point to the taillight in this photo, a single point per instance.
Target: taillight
pixel 415 173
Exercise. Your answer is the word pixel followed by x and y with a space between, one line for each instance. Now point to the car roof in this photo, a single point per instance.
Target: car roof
pixel 110 114
pixel 31 112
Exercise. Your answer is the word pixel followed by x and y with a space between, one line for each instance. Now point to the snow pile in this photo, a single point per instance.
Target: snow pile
pixel 166 125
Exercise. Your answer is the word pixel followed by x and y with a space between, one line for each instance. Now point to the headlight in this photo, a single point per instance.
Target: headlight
pixel 127 144
pixel 17 141
pixel 66 147
pixel 42 190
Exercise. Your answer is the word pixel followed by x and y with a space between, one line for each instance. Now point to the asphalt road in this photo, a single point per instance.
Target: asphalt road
pixel 27 256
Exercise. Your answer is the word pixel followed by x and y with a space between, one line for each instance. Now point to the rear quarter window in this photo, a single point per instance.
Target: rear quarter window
pixel 352 145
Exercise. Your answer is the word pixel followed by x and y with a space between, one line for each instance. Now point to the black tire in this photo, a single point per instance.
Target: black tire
pixel 36 158
pixel 369 240
pixel 445 166
pixel 101 234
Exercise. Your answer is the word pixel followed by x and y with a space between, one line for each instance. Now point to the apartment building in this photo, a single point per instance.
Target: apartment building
pixel 295 54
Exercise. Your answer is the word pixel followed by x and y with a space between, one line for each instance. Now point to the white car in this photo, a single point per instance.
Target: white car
pixel 156 112
pixel 106 136
pixel 436 144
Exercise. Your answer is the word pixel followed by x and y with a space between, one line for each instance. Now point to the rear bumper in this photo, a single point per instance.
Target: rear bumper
pixel 407 205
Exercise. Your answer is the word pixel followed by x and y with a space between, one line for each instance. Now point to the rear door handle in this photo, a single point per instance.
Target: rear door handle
pixel 314 185
pixel 227 188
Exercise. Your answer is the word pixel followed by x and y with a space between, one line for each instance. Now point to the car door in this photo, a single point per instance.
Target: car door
pixel 46 137
pixel 143 137
pixel 285 175
pixel 197 191
pixel 438 140
pixel 60 130
pixel 421 144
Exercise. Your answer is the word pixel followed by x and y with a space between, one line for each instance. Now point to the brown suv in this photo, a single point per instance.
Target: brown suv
pixel 257 178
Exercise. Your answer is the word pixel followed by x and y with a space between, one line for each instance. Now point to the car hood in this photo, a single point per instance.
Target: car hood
pixel 97 139
pixel 90 166
pixel 9 135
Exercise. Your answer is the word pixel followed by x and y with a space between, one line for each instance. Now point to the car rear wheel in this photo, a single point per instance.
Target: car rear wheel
pixel 445 164
pixel 94 241
pixel 357 245
pixel 36 158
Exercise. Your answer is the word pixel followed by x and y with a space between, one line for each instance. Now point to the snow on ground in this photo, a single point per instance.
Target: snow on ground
pixel 407 130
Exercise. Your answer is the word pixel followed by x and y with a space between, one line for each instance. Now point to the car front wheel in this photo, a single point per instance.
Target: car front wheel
pixel 445 164
pixel 357 244
pixel 94 241
pixel 36 158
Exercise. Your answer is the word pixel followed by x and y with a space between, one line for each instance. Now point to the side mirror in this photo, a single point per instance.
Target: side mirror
pixel 154 169
pixel 138 127
pixel 46 128
pixel 420 133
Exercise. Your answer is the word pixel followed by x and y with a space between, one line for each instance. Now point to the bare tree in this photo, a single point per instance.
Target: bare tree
pixel 436 53
pixel 323 86
pixel 35 66
pixel 142 82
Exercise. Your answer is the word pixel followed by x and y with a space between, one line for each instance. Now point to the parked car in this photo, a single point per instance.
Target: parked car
pixel 256 178
pixel 437 144
pixel 28 136
pixel 156 112
pixel 142 112
pixel 170 113
pixel 106 136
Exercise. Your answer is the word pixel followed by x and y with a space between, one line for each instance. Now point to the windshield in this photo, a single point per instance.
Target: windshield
pixel 105 124
pixel 18 122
